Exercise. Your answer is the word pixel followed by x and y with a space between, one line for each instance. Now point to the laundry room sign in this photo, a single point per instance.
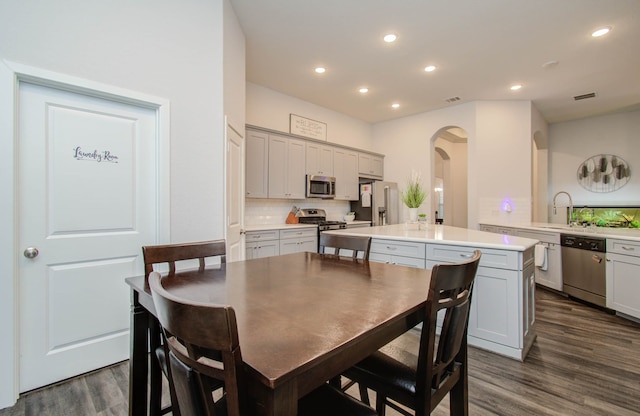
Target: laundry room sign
pixel 94 155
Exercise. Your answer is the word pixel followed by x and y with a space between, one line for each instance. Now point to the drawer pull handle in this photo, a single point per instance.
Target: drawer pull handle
pixel 628 248
pixel 391 248
pixel 466 256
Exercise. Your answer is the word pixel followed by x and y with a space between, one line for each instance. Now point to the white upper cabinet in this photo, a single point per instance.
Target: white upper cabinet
pixel 286 167
pixel 346 173
pixel 319 159
pixel 370 166
pixel 257 165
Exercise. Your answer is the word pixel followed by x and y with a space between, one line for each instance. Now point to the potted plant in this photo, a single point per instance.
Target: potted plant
pixel 414 195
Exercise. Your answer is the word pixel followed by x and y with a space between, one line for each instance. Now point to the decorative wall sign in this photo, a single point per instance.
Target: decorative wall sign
pixel 603 173
pixel 308 128
pixel 94 155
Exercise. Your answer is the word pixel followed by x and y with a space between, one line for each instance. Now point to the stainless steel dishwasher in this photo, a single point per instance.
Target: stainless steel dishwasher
pixel 583 267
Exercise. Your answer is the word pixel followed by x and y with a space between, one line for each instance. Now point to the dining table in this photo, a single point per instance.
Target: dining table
pixel 303 319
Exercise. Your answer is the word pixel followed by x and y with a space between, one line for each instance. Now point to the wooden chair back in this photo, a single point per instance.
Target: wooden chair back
pixel 356 244
pixel 442 360
pixel 171 253
pixel 203 338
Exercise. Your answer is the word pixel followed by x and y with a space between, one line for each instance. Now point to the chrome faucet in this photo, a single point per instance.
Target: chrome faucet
pixel 570 205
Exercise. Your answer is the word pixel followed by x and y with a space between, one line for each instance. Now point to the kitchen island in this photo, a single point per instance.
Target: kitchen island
pixel 502 318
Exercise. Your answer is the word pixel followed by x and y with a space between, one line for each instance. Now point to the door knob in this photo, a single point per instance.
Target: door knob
pixel 31 252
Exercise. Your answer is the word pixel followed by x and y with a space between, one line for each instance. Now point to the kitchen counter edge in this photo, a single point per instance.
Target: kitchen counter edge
pixel 442 234
pixel 630 234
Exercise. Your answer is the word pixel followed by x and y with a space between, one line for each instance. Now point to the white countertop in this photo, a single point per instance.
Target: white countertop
pixel 268 227
pixel 632 234
pixel 443 234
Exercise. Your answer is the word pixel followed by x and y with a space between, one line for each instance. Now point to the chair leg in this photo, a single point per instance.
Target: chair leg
pixel 459 394
pixel 155 372
pixel 381 404
pixel 364 394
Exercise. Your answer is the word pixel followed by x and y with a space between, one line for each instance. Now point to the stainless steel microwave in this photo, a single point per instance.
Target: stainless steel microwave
pixel 319 186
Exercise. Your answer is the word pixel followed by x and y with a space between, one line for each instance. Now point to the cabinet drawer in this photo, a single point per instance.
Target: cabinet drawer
pixel 298 233
pixel 398 248
pixel 630 248
pixel 500 259
pixel 399 260
pixel 262 235
pixel 551 238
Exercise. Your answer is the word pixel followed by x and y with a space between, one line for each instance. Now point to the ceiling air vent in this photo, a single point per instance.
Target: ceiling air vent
pixel 452 99
pixel 584 96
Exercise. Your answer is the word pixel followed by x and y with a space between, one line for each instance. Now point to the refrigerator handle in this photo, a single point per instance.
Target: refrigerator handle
pixel 387 191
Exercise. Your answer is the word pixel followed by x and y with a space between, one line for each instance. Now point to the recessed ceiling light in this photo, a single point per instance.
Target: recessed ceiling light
pixel 430 68
pixel 390 38
pixel 320 70
pixel 364 90
pixel 601 32
pixel 395 105
pixel 516 87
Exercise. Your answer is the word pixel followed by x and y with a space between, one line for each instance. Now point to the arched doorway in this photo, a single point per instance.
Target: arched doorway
pixel 449 176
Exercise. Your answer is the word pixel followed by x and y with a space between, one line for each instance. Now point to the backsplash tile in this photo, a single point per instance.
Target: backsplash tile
pixel 274 211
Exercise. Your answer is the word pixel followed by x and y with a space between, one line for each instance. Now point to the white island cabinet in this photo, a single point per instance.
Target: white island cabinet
pixel 502 317
pixel 623 276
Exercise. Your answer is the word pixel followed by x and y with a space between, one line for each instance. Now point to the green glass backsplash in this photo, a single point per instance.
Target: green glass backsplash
pixel 619 217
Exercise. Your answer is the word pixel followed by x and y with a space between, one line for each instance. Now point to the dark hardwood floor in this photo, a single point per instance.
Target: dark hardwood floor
pixel 584 362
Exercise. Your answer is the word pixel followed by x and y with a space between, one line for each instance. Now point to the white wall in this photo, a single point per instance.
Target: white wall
pixel 406 144
pixel 167 49
pixel 172 50
pixel 499 154
pixel 572 142
pixel 271 109
pixel 234 85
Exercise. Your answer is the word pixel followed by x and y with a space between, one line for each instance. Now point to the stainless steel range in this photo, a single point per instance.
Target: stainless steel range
pixel 319 217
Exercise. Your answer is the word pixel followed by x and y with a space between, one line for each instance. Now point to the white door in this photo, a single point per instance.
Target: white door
pixel 234 192
pixel 87 193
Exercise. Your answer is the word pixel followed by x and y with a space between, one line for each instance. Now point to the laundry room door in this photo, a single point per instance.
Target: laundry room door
pixel 87 202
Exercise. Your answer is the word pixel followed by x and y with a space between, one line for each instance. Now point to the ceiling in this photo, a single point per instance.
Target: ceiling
pixel 480 49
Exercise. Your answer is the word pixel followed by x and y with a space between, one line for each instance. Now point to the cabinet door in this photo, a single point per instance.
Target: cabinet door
pixel 262 249
pixel 319 160
pixel 623 284
pixel 370 166
pixel 277 167
pixel 495 306
pixel 286 168
pixel 257 165
pixel 346 173
pixel 296 245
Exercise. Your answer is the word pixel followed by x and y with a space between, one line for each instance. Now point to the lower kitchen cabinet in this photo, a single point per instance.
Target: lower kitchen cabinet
pixel 297 240
pixel 262 244
pixel 502 316
pixel 623 277
pixel 267 243
pixel 402 253
pixel 552 276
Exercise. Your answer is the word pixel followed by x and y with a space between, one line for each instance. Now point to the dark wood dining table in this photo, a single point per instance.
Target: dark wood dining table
pixel 303 318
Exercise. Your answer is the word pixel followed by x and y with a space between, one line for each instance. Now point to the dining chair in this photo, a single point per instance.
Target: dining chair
pixel 356 244
pixel 204 351
pixel 442 361
pixel 170 254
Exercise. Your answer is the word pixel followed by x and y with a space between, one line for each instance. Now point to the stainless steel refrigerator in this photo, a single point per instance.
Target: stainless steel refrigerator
pixel 379 202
